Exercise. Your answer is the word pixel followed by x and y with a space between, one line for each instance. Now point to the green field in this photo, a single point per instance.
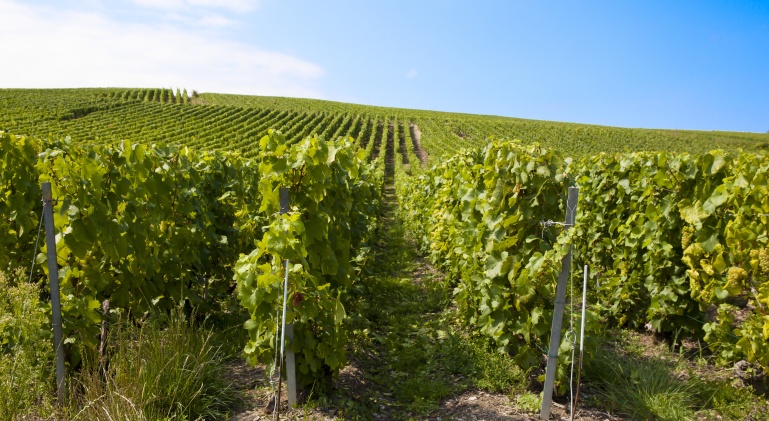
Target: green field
pixel 235 122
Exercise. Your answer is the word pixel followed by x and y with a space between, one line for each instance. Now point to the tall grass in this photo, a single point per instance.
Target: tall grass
pixel 656 387
pixel 167 369
pixel 642 388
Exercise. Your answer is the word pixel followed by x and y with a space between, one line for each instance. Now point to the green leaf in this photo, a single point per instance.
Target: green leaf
pixel 497 264
pixel 694 214
pixel 710 243
pixel 339 313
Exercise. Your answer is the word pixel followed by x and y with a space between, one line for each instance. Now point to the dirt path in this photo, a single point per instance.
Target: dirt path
pixel 392 371
pixel 416 139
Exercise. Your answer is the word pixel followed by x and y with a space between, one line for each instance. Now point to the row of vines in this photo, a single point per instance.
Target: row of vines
pixel 676 243
pixel 234 122
pixel 151 227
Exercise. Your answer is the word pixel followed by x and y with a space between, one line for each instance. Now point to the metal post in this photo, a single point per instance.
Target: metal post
pixel 581 341
pixel 289 328
pixel 560 301
pixel 290 367
pixel 53 276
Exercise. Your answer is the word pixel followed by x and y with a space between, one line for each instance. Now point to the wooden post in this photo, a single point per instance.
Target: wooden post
pixel 290 357
pixel 53 276
pixel 560 302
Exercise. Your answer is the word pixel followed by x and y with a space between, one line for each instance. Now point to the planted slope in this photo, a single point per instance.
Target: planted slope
pixel 236 122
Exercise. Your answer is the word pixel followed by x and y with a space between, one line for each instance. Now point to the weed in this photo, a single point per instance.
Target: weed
pixel 643 389
pixel 528 402
pixel 630 381
pixel 165 369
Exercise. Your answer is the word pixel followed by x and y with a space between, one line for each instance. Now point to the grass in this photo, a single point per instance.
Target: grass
pixel 167 369
pixel 642 389
pixel 407 343
pixel 643 383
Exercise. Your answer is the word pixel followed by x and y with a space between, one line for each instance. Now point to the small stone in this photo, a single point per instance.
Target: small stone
pixel 740 368
pixel 472 398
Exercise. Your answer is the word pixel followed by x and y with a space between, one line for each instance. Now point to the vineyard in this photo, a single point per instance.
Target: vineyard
pixel 675 241
pixel 235 123
pixel 166 200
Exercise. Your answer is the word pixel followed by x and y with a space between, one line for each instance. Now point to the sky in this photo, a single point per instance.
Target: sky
pixel 700 65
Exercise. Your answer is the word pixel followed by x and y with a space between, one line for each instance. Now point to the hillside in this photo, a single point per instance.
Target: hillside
pixel 411 297
pixel 234 122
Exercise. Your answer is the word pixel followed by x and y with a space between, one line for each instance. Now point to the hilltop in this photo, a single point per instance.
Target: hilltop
pixel 213 121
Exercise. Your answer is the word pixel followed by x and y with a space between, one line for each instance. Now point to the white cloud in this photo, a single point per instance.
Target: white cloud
pixel 161 4
pixel 411 74
pixel 217 21
pixel 47 48
pixel 237 6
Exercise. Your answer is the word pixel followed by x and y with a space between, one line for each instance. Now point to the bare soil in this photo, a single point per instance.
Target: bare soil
pixel 352 385
pixel 416 138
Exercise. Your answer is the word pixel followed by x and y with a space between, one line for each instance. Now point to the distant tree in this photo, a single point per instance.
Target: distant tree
pixel 185 97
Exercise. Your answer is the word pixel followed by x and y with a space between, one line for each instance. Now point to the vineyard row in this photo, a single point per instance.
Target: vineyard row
pixel 676 242
pixel 235 123
pixel 148 228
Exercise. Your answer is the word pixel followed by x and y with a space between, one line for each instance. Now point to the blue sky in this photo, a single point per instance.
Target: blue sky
pixel 658 64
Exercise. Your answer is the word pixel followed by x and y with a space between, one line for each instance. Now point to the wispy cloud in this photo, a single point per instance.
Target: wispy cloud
pixel 52 47
pixel 217 21
pixel 411 74
pixel 237 6
pixel 206 14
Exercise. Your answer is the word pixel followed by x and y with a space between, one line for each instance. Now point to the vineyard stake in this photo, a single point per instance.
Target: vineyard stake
pixel 288 328
pixel 560 302
pixel 53 276
pixel 581 342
